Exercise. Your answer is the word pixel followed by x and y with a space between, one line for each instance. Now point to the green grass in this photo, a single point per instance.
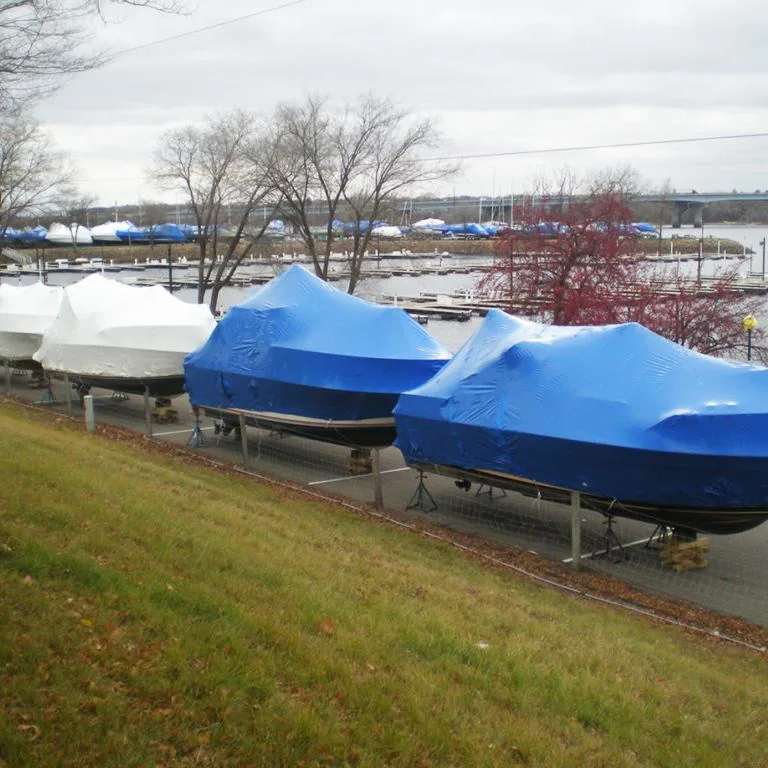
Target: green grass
pixel 157 613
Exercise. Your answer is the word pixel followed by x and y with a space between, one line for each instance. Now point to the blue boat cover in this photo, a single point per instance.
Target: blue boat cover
pixel 158 233
pixel 613 411
pixel 299 346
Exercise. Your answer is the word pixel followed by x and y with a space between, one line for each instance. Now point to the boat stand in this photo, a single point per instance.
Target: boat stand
pixel 660 535
pixel 490 491
pixel 197 438
pixel 421 496
pixel 48 398
pixel 610 542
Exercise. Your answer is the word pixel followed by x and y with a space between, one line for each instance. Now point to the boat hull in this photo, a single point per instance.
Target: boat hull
pixel 716 521
pixel 158 386
pixel 360 433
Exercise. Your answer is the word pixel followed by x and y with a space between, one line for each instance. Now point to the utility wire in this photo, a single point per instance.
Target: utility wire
pixel 551 150
pixel 217 25
pixel 586 148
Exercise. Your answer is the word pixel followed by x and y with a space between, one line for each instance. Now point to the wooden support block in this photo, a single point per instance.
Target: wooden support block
pixel 684 554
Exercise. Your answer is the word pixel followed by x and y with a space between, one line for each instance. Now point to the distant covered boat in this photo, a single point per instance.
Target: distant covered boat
pixel 640 426
pixel 72 234
pixel 124 338
pixel 430 223
pixel 108 232
pixel 471 230
pixel 26 313
pixel 300 356
pixel 387 231
pixel 160 233
pixel 645 229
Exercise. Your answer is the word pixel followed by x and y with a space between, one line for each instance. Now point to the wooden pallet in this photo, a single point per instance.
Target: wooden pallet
pixel 682 554
pixel 359 462
pixel 165 415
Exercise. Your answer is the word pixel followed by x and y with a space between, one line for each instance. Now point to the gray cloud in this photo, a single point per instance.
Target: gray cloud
pixel 500 75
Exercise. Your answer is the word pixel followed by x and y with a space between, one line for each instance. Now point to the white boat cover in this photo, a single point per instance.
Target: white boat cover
pixel 110 329
pixel 107 232
pixel 429 224
pixel 387 231
pixel 74 234
pixel 26 313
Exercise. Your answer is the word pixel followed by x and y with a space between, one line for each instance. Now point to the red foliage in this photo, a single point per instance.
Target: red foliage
pixel 567 264
pixel 578 264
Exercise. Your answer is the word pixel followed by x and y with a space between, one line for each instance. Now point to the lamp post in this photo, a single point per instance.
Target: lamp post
pixel 762 242
pixel 749 323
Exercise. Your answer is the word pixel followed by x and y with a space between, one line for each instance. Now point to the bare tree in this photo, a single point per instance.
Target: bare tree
pixel 307 173
pixel 222 167
pixel 74 207
pixel 43 39
pixel 352 161
pixel 32 173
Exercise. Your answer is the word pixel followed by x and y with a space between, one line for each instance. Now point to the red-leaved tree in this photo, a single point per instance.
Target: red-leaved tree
pixel 572 258
pixel 567 257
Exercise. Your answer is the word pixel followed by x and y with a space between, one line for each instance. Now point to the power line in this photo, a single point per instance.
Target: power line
pixel 586 148
pixel 217 25
pixel 551 150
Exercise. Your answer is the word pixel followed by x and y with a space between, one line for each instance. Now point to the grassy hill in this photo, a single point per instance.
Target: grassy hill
pixel 153 612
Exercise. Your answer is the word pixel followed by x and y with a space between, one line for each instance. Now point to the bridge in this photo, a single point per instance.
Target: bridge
pixel 695 202
pixel 498 207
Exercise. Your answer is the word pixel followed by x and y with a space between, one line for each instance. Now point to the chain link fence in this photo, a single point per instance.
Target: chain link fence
pixel 727 574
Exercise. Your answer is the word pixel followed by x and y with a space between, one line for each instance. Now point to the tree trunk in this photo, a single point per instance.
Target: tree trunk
pixel 214 297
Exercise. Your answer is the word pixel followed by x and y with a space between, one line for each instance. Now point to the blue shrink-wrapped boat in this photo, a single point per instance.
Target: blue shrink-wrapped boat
pixel 300 356
pixel 640 426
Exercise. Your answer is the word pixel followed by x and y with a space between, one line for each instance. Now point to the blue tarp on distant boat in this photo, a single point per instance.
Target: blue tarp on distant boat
pixel 615 411
pixel 301 347
pixel 160 233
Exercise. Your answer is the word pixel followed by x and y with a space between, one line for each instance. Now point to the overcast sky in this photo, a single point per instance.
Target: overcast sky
pixel 497 75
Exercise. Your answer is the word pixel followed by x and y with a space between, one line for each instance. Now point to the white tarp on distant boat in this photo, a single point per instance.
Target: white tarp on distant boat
pixel 74 234
pixel 429 224
pixel 26 313
pixel 107 232
pixel 387 231
pixel 108 329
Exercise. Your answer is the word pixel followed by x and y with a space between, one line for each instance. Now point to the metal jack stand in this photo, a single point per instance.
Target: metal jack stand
pixel 48 398
pixel 420 497
pixel 609 540
pixel 660 534
pixel 490 491
pixel 197 438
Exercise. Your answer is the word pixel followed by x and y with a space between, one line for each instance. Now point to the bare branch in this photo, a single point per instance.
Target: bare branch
pixel 221 166
pixel 40 40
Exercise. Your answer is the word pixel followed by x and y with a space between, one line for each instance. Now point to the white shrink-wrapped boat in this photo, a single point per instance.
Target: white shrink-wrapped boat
pixel 124 338
pixel 74 234
pixel 107 232
pixel 26 313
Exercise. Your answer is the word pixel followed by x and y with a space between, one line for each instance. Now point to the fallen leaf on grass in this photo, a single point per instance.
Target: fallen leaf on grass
pixel 327 626
pixel 31 731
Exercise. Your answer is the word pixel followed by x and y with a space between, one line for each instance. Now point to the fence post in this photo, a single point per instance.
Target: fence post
pixel 69 395
pixel 90 418
pixel 147 413
pixel 7 377
pixel 575 530
pixel 243 438
pixel 378 496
